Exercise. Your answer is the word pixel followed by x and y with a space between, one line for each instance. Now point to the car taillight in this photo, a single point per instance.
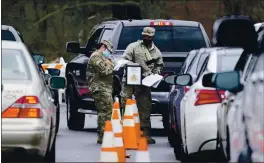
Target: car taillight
pixel 160 23
pixel 83 91
pixel 186 89
pixel 209 96
pixel 25 107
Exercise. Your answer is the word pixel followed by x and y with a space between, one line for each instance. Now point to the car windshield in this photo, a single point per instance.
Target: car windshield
pixel 226 63
pixel 167 39
pixel 14 66
pixel 7 35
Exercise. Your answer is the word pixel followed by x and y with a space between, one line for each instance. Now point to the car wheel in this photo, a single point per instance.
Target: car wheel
pixel 165 122
pixel 75 120
pixel 50 154
pixel 171 137
pixel 57 118
pixel 178 148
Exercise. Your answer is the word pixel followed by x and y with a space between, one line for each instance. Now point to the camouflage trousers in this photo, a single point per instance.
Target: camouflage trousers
pixel 103 102
pixel 144 104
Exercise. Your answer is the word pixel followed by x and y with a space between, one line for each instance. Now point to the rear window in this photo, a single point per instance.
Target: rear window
pixel 14 66
pixel 7 35
pixel 226 63
pixel 167 39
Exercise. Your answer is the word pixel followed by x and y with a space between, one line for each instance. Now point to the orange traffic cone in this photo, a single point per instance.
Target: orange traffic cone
pixel 118 137
pixel 136 117
pixel 108 150
pixel 116 106
pixel 142 154
pixel 129 128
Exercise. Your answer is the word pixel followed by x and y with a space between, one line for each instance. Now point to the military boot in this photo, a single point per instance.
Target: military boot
pixel 149 138
pixel 99 139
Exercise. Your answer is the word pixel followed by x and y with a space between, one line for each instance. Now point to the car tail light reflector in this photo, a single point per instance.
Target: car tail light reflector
pixel 25 107
pixel 209 96
pixel 160 23
pixel 186 89
pixel 83 91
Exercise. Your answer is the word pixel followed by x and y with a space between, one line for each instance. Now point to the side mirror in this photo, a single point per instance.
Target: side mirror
pixel 208 80
pixel 183 80
pixel 39 59
pixel 53 71
pixel 229 81
pixel 73 47
pixel 170 79
pixel 46 78
pixel 57 82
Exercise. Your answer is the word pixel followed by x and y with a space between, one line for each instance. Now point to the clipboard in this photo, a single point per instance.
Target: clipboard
pixel 133 75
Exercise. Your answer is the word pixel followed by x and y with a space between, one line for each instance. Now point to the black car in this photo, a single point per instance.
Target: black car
pixel 174 38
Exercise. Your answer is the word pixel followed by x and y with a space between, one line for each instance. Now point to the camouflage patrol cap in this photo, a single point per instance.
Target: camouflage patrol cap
pixel 149 31
pixel 108 44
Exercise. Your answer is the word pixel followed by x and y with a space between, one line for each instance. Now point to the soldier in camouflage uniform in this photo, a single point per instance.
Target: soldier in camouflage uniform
pixel 100 78
pixel 146 54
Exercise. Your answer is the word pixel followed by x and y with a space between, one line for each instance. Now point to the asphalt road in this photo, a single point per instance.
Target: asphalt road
pixel 80 146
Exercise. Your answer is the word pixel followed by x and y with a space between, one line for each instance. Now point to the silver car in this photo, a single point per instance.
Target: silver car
pixel 28 111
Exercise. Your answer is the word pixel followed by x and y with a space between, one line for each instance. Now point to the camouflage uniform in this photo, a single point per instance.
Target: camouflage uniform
pixel 151 62
pixel 100 78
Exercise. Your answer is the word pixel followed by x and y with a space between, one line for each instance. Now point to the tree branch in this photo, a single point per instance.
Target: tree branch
pixel 82 5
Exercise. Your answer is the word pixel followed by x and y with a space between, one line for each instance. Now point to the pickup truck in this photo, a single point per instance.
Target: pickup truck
pixel 174 38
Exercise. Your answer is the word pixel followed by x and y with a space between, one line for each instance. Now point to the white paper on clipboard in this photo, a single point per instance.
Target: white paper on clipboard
pixel 152 80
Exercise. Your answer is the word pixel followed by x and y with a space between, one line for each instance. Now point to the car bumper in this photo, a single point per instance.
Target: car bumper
pixel 201 125
pixel 26 134
pixel 159 102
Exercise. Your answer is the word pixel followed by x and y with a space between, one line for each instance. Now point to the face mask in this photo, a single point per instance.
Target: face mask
pixel 106 53
pixel 147 42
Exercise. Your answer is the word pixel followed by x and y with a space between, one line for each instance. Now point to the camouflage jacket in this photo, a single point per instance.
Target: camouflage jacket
pixel 99 73
pixel 136 52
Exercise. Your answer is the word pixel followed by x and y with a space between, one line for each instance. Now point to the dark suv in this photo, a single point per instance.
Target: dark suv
pixel 174 38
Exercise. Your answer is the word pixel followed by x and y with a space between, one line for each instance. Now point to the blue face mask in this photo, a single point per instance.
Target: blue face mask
pixel 106 53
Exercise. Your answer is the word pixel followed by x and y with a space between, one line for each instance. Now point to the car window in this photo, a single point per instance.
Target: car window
pixel 249 68
pixel 226 62
pixel 199 60
pixel 14 66
pixel 190 57
pixel 107 35
pixel 167 39
pixel 93 40
pixel 203 67
pixel 259 64
pixel 7 35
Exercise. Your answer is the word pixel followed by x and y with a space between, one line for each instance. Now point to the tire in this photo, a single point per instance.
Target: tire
pixel 165 122
pixel 50 155
pixel 171 137
pixel 178 149
pixel 75 120
pixel 57 118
